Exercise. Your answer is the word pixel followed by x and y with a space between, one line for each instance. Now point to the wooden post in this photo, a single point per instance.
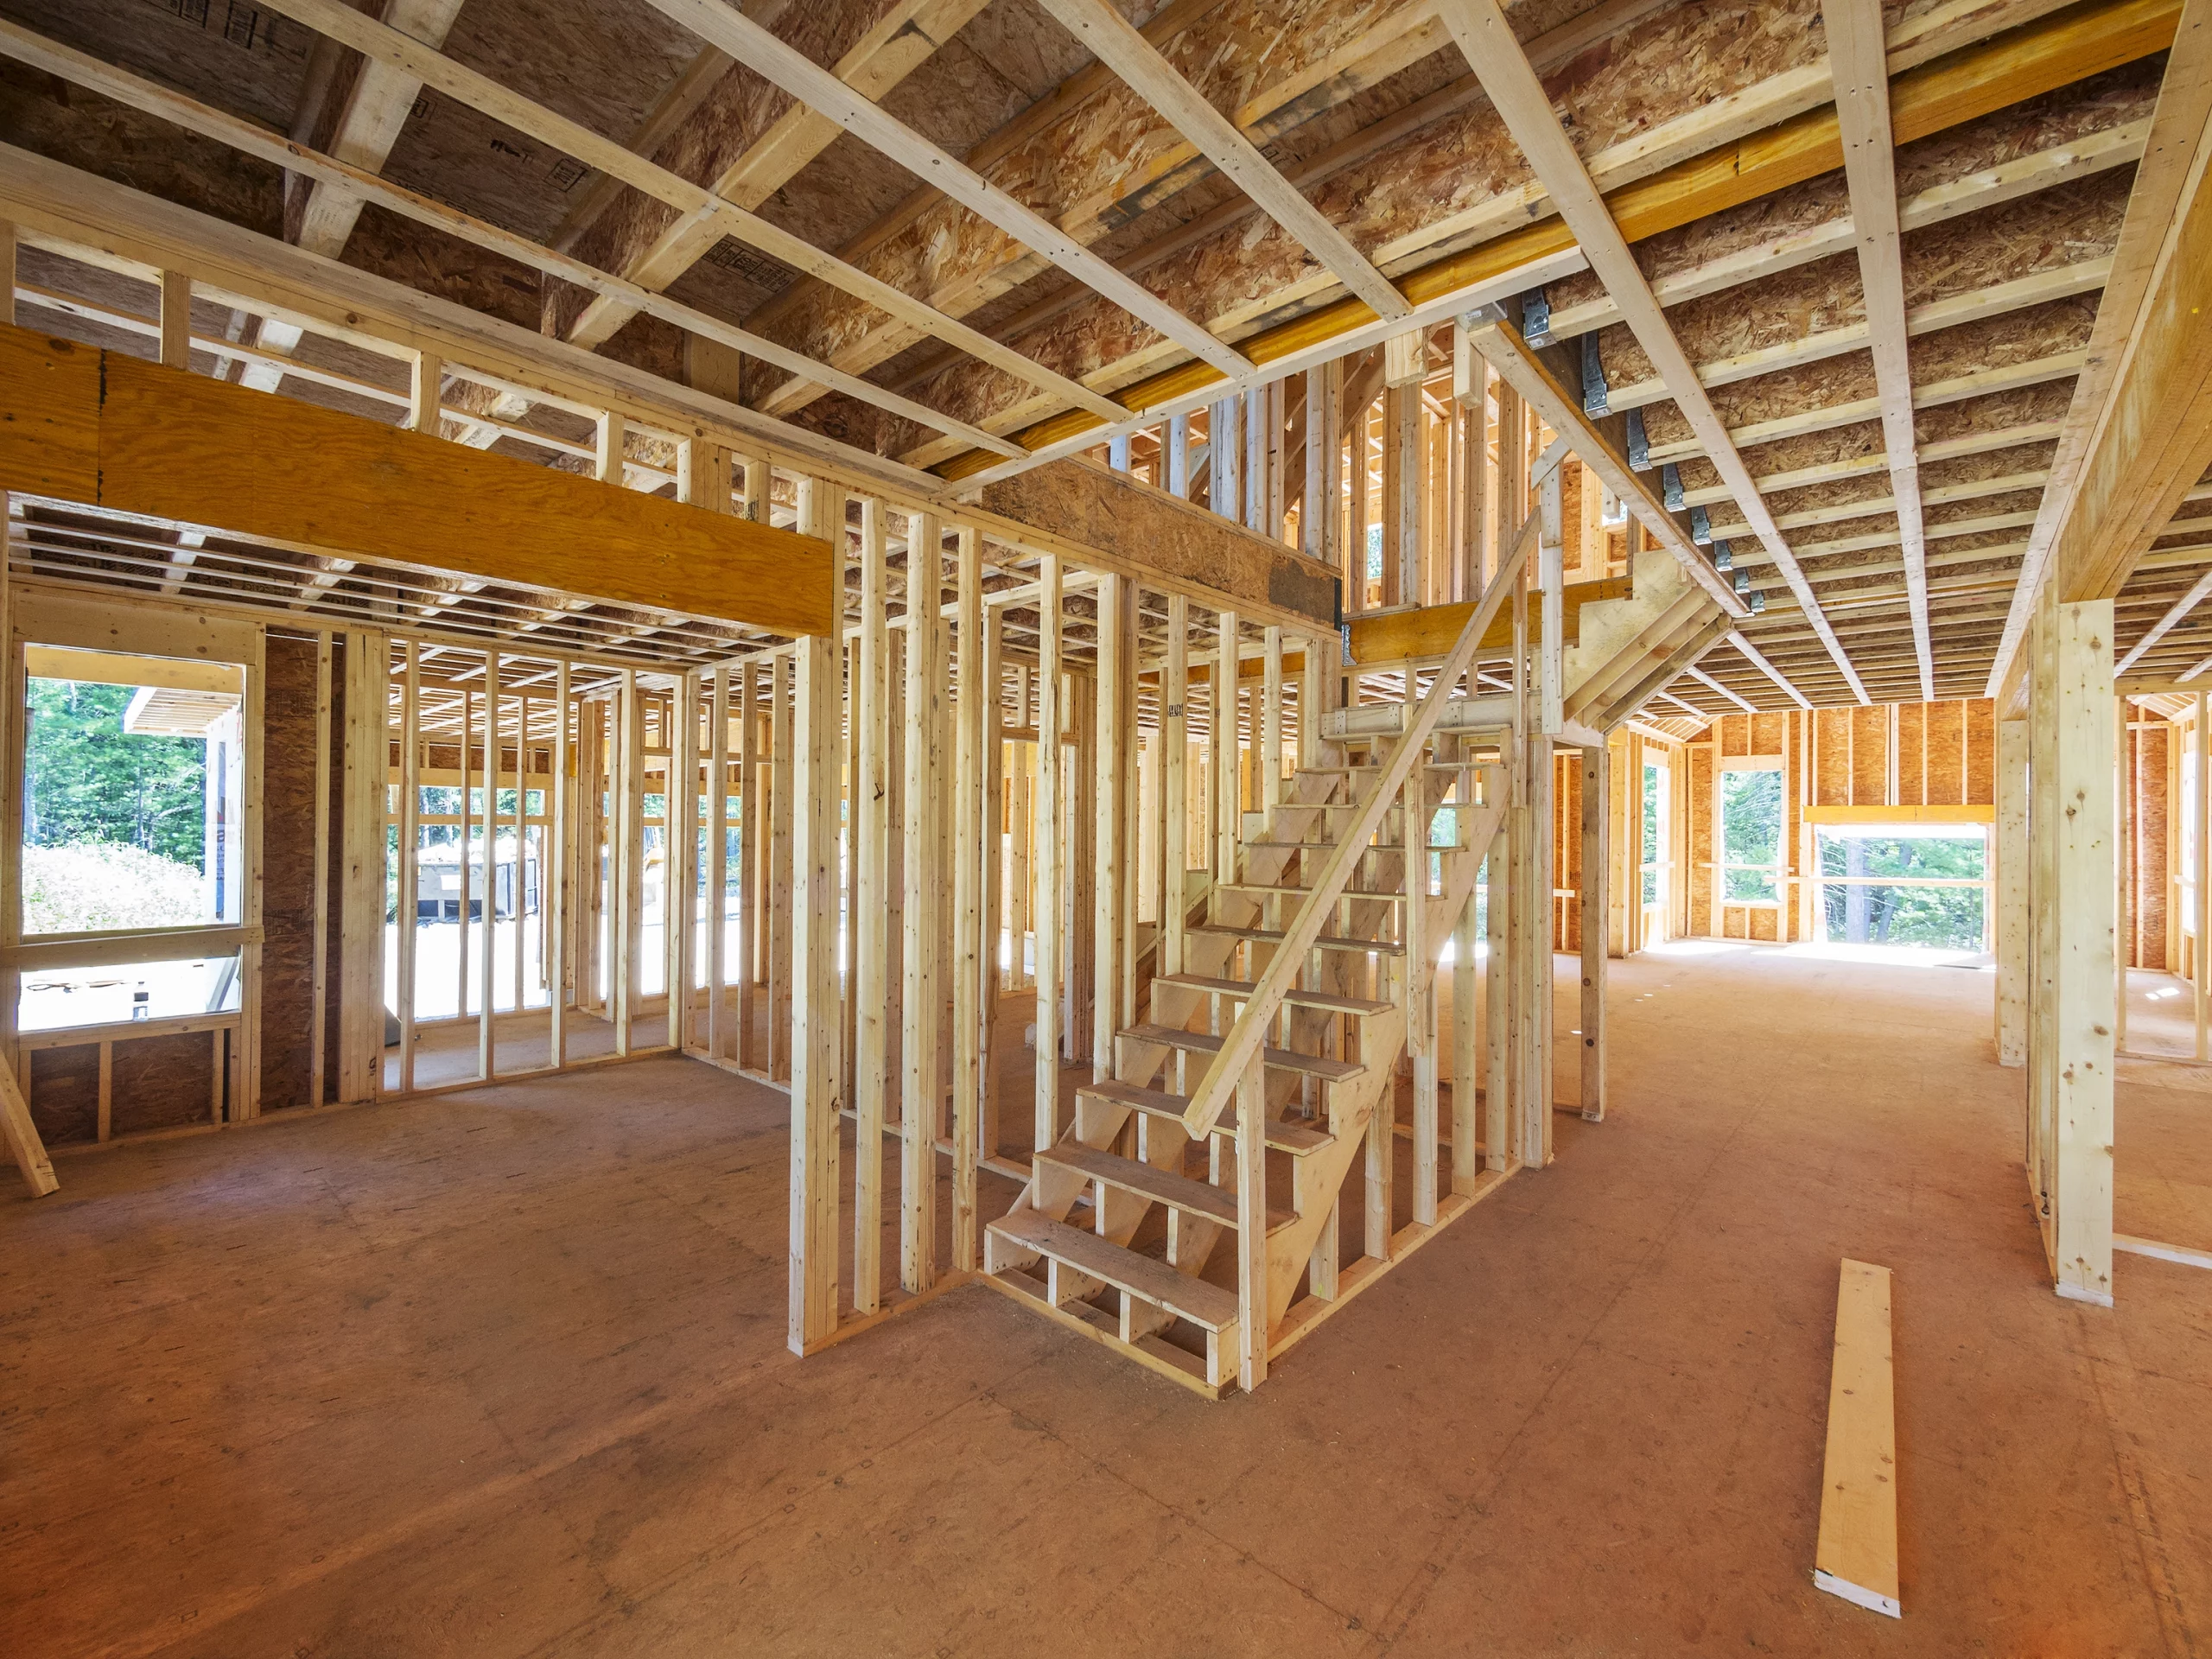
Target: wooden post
pixel 871 915
pixel 626 800
pixel 1270 724
pixel 2011 892
pixel 176 319
pixel 425 378
pixel 1594 906
pixel 559 830
pixel 488 898
pixel 410 837
pixel 1177 441
pixel 2200 960
pixel 1226 805
pixel 679 898
pixel 1113 764
pixel 717 870
pixel 1225 493
pixel 1320 519
pixel 1420 993
pixel 813 979
pixel 2070 1032
pixel 1048 863
pixel 782 921
pixel 1252 1225
pixel 368 776
pixel 921 868
pixel 1174 756
pixel 971 1005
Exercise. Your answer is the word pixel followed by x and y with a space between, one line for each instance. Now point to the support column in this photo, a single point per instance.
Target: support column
pixel 970 1004
pixel 2011 850
pixel 1595 907
pixel 920 1004
pixel 813 981
pixel 2070 1034
pixel 1113 764
pixel 1049 862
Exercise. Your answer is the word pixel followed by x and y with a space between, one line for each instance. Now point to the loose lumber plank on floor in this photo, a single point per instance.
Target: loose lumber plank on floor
pixel 1857 1555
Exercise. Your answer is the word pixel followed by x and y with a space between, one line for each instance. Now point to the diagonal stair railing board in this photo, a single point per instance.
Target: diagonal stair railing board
pixel 1248 1036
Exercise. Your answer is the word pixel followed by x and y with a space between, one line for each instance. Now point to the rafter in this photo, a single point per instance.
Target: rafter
pixel 1116 42
pixel 243 136
pixel 341 22
pixel 754 47
pixel 1862 103
pixel 899 41
pixel 1751 655
pixel 1487 41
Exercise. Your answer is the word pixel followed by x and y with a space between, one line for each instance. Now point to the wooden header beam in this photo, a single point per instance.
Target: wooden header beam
pixel 116 432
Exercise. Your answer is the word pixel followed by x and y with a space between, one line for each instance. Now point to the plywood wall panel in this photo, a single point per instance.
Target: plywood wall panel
pixel 288 839
pixel 1913 752
pixel 64 1094
pixel 162 1083
pixel 1870 755
pixel 1832 785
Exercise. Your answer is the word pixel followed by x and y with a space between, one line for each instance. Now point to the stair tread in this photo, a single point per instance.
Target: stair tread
pixel 1303 998
pixel 1294 1138
pixel 1292 886
pixel 1147 1180
pixel 1326 942
pixel 1143 1277
pixel 1206 1043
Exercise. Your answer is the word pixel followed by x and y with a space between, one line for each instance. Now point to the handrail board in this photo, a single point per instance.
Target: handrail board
pixel 1215 1091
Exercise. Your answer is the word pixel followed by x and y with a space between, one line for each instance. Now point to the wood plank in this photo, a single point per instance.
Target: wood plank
pixel 1203 1305
pixel 1857 1554
pixel 1160 1186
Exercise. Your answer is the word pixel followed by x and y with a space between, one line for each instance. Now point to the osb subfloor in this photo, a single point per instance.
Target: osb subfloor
pixel 503 1373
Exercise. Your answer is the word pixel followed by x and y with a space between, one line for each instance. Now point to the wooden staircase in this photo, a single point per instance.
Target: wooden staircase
pixel 1311 1046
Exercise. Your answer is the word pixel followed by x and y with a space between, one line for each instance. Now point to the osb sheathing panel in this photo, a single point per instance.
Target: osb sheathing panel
pixel 1084 173
pixel 2148 748
pixel 1912 745
pixel 2068 225
pixel 287 841
pixel 1981 751
pixel 2040 331
pixel 1990 463
pixel 1700 839
pixel 64 1094
pixel 2042 124
pixel 1832 492
pixel 385 244
pixel 601 63
pixel 1991 412
pixel 1870 755
pixel 1768 733
pixel 1947 754
pixel 1670 64
pixel 130 148
pixel 1986 506
pixel 162 1082
pixel 1832 771
pixel 726 123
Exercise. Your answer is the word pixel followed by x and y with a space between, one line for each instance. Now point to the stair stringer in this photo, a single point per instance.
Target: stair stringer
pixel 1318 1180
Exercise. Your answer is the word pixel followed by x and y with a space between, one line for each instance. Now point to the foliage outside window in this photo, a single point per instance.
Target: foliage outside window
pixel 1654 857
pixel 1751 835
pixel 119 830
pixel 1922 885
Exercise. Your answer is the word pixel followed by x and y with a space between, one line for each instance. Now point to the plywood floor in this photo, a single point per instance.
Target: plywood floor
pixel 502 1373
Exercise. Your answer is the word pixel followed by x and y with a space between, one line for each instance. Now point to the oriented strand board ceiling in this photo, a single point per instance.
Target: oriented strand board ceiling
pixel 1369 107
